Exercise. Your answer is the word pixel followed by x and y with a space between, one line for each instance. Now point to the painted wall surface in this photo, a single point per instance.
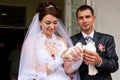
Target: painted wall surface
pixel 108 21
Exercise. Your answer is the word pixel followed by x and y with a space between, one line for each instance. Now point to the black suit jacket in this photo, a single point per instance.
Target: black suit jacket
pixel 108 55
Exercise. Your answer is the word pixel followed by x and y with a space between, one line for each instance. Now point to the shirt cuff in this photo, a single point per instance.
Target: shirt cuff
pixel 99 64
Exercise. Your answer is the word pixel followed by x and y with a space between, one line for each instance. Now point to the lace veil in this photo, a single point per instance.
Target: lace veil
pixel 29 68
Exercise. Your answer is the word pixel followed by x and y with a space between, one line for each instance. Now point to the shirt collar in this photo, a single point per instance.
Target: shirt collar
pixel 91 34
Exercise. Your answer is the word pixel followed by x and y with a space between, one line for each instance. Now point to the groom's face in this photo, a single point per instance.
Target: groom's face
pixel 85 19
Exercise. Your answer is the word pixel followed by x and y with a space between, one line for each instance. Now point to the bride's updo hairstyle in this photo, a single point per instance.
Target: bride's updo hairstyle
pixel 47 7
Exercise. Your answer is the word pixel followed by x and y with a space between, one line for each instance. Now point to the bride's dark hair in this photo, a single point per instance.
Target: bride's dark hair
pixel 47 7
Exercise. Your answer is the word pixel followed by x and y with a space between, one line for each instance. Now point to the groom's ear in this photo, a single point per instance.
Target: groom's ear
pixel 94 18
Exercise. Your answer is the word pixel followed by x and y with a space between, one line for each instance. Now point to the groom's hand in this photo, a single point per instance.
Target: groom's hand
pixel 92 58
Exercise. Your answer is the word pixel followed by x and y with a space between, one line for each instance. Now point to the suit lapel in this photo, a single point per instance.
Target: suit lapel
pixel 81 39
pixel 96 39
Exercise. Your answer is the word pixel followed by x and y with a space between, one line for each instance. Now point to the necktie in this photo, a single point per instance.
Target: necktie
pixel 88 39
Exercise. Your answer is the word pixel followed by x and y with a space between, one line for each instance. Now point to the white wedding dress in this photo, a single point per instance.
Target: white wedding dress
pixel 43 58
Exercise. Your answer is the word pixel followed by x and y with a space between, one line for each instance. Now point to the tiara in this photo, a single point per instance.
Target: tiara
pixel 49 6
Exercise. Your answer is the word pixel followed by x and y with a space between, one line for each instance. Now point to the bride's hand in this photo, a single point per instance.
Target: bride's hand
pixel 66 56
pixel 76 53
pixel 73 53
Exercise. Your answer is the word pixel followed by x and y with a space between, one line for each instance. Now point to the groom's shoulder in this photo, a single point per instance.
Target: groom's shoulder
pixel 104 34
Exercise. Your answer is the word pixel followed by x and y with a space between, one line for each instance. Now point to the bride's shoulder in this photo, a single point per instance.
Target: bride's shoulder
pixel 62 39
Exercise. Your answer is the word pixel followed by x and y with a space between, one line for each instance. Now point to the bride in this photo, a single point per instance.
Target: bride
pixel 46 40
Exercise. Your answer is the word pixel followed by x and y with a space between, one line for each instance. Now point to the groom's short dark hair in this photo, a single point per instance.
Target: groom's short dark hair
pixel 85 7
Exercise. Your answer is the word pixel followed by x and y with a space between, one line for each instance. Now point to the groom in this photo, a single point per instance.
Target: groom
pixel 105 58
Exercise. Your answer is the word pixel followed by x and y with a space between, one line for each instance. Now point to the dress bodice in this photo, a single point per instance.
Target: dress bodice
pixel 40 48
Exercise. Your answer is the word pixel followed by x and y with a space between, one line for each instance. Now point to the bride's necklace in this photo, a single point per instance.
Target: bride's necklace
pixel 50 45
pixel 51 48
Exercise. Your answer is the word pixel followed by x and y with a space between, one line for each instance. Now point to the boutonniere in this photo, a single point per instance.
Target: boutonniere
pixel 101 47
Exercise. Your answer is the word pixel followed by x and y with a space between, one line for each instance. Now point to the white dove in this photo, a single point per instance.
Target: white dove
pixel 79 44
pixel 91 68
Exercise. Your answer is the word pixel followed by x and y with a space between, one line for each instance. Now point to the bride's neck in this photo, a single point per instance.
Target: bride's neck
pixel 48 35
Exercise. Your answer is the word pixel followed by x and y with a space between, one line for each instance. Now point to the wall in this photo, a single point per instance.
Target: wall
pixel 108 21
